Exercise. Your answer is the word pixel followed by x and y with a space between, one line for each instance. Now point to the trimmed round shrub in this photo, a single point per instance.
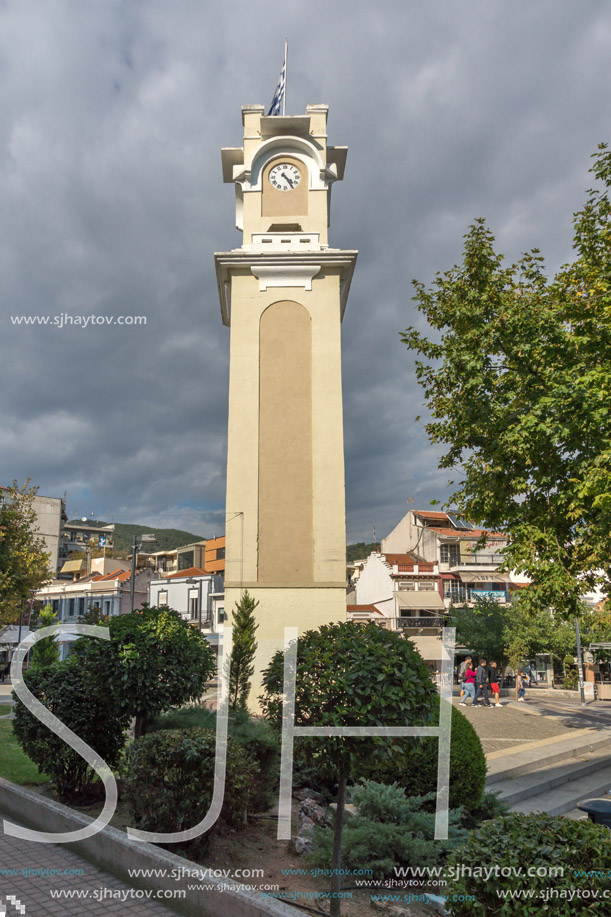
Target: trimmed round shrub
pixel 254 734
pixel 513 846
pixel 169 779
pixel 413 765
pixel 82 702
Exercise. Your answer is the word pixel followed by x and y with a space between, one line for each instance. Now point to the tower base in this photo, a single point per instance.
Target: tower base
pixel 305 608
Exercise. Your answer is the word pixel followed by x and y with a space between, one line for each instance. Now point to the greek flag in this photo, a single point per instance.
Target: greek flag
pixel 274 108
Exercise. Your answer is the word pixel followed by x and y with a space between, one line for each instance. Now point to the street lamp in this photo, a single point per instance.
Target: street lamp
pixel 143 539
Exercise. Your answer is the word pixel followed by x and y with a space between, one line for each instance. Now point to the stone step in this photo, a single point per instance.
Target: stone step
pixel 515 789
pixel 575 815
pixel 564 798
pixel 523 759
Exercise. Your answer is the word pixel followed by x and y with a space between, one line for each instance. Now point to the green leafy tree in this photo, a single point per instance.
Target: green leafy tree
pixel 243 651
pixel 46 651
pixel 23 560
pixel 351 675
pixel 84 703
pixel 154 660
pixel 483 629
pixel 529 633
pixel 516 378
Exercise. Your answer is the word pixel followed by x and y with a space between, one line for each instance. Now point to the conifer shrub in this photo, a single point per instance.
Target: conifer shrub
pixel 169 779
pixel 390 830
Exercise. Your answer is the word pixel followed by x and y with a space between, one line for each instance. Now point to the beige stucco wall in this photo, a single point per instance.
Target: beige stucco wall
pixel 328 504
pixel 286 536
pixel 304 608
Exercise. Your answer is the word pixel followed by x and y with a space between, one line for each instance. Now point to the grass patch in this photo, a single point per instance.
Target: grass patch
pixel 14 764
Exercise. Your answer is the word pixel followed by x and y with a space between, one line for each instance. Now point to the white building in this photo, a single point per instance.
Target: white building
pixel 466 572
pixel 110 595
pixel 402 593
pixel 194 594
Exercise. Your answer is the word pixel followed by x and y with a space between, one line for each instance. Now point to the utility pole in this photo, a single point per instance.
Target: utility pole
pixel 144 539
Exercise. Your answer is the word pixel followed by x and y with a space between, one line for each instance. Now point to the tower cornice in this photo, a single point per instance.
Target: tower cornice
pixel 282 269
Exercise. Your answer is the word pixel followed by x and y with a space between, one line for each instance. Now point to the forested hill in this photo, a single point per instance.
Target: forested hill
pixel 360 550
pixel 167 539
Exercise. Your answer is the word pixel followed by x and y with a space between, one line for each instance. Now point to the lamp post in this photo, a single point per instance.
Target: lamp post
pixel 136 545
pixel 580 663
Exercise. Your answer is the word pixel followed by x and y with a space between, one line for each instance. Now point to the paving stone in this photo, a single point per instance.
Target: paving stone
pixel 34 890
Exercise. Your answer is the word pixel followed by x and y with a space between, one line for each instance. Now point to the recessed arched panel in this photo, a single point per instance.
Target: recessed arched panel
pixel 286 530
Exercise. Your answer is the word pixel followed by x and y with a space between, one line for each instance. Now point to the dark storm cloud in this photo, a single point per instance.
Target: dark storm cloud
pixel 111 202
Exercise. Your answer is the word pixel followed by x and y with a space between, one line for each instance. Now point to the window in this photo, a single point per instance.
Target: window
pixel 426 586
pixel 162 597
pixel 449 554
pixel 407 586
pixel 81 606
pixel 107 607
pixel 222 616
pixel 71 607
pixel 220 553
pixel 455 591
pixel 193 607
pixel 186 560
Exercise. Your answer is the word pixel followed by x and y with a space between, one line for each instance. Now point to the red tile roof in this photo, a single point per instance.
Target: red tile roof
pixel 191 571
pixel 361 608
pixel 121 575
pixel 402 559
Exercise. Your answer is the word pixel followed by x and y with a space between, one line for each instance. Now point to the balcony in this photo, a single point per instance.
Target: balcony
pixel 417 623
pixel 476 560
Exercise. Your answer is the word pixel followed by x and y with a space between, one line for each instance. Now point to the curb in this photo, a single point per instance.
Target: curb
pixel 113 851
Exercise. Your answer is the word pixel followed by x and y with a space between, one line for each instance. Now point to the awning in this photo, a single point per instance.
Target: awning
pixel 428 647
pixel 73 566
pixel 10 634
pixel 415 600
pixel 483 577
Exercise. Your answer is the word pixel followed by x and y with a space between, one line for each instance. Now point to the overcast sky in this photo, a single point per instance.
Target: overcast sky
pixel 112 203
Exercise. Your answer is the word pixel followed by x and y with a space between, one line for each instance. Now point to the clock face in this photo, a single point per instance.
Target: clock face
pixel 284 176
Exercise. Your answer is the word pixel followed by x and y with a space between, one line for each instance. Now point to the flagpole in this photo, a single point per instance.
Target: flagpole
pixel 286 48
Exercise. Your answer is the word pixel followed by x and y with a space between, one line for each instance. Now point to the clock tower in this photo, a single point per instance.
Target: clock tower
pixel 283 293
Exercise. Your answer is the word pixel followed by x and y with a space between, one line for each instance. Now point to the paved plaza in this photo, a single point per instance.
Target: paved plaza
pixel 540 717
pixel 38 894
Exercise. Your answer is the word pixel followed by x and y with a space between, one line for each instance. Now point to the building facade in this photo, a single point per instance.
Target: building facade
pixel 109 595
pixel 402 593
pixel 466 572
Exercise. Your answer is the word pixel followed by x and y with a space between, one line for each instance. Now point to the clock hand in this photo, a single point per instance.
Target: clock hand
pixel 284 175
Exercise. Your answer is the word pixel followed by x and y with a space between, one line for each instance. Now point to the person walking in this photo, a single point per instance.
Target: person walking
pixel 482 677
pixel 521 685
pixel 468 684
pixel 494 684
